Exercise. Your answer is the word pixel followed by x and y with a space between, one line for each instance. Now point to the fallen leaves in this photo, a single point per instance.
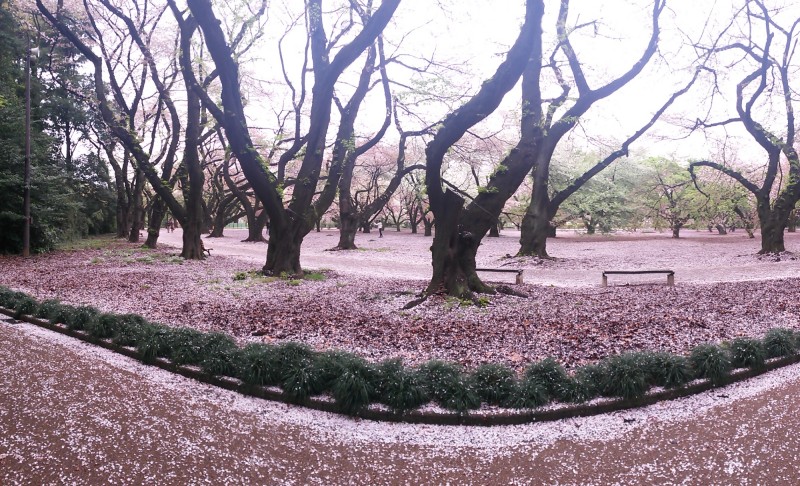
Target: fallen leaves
pixel 363 313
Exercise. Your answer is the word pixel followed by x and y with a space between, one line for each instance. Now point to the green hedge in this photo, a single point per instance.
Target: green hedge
pixel 354 383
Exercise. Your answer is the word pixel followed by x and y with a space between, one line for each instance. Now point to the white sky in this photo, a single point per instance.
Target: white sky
pixel 476 34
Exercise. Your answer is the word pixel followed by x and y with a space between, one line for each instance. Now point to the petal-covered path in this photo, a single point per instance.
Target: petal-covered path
pixel 72 413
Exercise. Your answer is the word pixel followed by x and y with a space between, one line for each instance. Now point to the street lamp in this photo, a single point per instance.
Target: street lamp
pixel 26 184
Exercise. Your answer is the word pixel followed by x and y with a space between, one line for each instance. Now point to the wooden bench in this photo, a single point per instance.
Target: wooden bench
pixel 670 274
pixel 518 279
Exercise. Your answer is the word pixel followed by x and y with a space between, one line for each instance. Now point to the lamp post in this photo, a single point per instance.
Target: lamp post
pixel 26 184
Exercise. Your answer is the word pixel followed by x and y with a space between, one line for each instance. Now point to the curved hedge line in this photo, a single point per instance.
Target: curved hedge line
pixel 354 383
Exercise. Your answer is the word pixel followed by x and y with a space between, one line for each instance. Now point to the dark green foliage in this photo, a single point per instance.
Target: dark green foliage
pixel 81 317
pixel 529 393
pixel 399 388
pixel 328 366
pixel 129 328
pixel 219 353
pixel 350 379
pixel 550 374
pixel 70 196
pixel 48 309
pixel 258 365
pixel 300 375
pixel 62 315
pixel 6 297
pixel 153 342
pixel 9 298
pixel 667 370
pixel 24 305
pixel 132 332
pixel 185 345
pixel 625 376
pixel 747 353
pixel 557 383
pixel 590 378
pixel 779 342
pixel 574 391
pixel 449 386
pixel 103 326
pixel 494 383
pixel 711 362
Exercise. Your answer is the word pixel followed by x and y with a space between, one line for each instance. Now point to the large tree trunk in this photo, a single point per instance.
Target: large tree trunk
pixel 453 253
pixel 218 225
pixel 192 244
pixel 773 223
pixel 257 231
pixel 348 227
pixel 123 209
pixel 535 230
pixel 428 225
pixel 721 229
pixel 255 224
pixel 283 253
pixel 772 237
pixel 193 182
pixel 792 221
pixel 136 213
pixel 494 231
pixel 156 218
pixel 676 231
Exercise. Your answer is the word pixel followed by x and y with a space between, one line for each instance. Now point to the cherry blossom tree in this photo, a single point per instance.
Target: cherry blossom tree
pixel 760 44
pixel 290 223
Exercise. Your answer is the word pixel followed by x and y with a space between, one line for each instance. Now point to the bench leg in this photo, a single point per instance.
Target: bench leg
pixel 671 280
pixel 519 279
pixel 605 281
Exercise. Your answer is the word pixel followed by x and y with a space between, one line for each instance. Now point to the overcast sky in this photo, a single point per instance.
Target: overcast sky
pixel 476 34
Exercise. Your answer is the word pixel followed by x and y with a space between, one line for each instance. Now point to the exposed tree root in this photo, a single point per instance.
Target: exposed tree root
pixel 505 289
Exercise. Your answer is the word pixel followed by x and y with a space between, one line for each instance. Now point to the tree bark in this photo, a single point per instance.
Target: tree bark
pixel 535 229
pixel 453 252
pixel 157 213
pixel 136 208
pixel 428 225
pixel 348 225
pixel 773 224
pixel 221 216
pixel 283 254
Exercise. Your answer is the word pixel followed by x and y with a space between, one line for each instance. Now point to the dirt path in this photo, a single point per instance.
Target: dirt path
pixel 71 413
pixel 579 258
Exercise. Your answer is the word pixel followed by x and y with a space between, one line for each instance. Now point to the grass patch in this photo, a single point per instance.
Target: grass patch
pixel 92 243
pixel 314 276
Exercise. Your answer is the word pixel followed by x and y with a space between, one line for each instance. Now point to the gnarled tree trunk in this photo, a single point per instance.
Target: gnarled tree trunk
pixel 535 229
pixel 453 252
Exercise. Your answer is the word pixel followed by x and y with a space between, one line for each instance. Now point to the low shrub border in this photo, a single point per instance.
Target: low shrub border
pixel 340 382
